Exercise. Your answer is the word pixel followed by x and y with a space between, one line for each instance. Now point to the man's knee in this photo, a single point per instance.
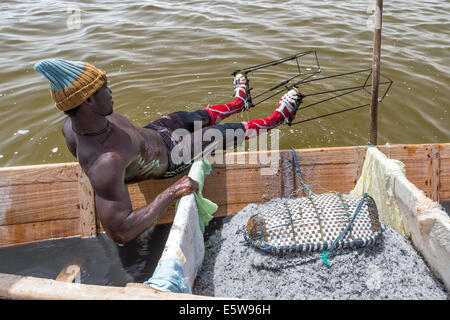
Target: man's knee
pixel 189 119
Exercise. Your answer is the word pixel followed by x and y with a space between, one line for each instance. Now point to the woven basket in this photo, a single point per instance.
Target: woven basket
pixel 313 223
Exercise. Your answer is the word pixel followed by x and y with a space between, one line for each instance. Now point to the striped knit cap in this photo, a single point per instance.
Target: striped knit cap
pixel 71 82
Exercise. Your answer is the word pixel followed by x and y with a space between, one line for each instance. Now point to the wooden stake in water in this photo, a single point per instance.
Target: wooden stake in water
pixel 376 72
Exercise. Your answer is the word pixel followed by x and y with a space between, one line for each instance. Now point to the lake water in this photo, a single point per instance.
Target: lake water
pixel 102 261
pixel 162 56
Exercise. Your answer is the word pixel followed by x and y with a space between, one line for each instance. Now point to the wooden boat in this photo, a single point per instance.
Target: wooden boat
pixel 43 202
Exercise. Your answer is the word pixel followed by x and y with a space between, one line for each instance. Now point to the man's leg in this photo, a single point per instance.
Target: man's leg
pixel 229 135
pixel 188 120
pixel 242 101
pixel 212 115
pixel 200 143
pixel 284 114
pixel 188 147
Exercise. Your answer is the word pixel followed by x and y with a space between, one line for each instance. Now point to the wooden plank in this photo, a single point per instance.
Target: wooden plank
pixel 406 152
pixel 88 224
pixel 324 156
pixel 238 186
pixel 444 150
pixel 415 159
pixel 324 171
pixel 288 173
pixel 140 285
pixel 36 231
pixel 38 202
pixel 325 178
pixel 70 273
pixel 22 287
pixel 413 156
pixel 36 174
pixel 243 160
pixel 417 173
pixel 433 173
pixel 429 174
pixel 359 157
pixel 142 193
pixel 419 166
pixel 224 187
pixel 444 172
pixel 444 190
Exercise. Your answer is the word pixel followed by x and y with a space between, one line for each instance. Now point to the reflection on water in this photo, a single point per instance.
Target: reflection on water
pixel 163 57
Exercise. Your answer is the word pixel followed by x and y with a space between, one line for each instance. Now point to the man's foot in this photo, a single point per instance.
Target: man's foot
pixel 289 104
pixel 242 90
pixel 242 101
pixel 285 113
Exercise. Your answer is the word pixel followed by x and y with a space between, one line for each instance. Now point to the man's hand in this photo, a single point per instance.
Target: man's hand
pixel 185 186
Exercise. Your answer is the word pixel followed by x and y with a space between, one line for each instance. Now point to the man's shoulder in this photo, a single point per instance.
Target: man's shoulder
pixel 107 161
pixel 69 135
pixel 106 171
pixel 67 124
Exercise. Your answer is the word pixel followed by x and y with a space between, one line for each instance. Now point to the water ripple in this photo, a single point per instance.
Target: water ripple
pixel 162 56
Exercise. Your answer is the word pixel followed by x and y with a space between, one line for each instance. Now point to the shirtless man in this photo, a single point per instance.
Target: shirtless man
pixel 113 152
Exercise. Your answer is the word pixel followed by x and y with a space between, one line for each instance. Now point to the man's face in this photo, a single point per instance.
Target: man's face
pixel 103 100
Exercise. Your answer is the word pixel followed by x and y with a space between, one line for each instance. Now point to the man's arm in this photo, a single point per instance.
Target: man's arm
pixel 113 202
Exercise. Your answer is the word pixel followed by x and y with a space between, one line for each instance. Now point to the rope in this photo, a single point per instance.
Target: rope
pixel 299 172
pixel 328 252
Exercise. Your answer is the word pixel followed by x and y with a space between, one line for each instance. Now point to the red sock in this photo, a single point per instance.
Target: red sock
pixel 221 111
pixel 253 127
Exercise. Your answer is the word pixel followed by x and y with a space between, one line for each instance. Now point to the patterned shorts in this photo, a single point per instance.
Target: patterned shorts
pixel 165 126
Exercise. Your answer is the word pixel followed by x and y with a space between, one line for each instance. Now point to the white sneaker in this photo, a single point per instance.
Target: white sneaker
pixel 242 90
pixel 289 104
